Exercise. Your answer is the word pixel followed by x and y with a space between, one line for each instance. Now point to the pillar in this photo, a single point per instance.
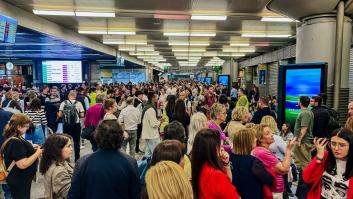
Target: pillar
pixel 316 40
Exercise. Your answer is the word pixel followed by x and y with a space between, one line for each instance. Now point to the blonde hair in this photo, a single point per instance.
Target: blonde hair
pixel 216 109
pixel 197 122
pixel 243 142
pixel 239 113
pixel 167 180
pixel 349 124
pixel 259 132
pixel 270 122
pixel 250 125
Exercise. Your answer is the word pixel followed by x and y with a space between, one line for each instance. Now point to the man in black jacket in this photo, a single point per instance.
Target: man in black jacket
pixel 262 110
pixel 321 118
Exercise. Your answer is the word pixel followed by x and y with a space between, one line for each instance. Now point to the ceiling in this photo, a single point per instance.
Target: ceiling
pixel 32 44
pixel 151 20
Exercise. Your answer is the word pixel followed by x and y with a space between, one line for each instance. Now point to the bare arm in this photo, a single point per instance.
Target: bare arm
pixel 24 163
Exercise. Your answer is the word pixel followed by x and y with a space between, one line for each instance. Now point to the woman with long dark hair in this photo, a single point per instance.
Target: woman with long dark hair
pixel 211 172
pixel 331 172
pixel 55 166
pixel 171 100
pixel 182 116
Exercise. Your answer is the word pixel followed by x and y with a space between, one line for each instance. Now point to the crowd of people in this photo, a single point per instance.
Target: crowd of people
pixel 176 139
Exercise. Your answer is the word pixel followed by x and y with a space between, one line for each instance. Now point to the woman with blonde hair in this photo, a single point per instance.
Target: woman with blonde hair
pixel 198 121
pixel 349 124
pixel 167 180
pixel 248 172
pixel 264 138
pixel 240 116
pixel 20 156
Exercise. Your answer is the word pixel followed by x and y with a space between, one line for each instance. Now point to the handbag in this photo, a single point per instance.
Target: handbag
pixel 87 132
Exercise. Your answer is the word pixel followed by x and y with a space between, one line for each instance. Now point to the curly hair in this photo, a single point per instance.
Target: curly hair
pixel 52 151
pixel 216 109
pixel 109 135
pixel 17 120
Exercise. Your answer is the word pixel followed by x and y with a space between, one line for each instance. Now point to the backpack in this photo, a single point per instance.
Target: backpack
pixel 333 123
pixel 70 113
pixel 4 172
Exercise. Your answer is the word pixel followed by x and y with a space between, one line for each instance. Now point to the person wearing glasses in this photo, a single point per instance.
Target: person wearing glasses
pixel 331 172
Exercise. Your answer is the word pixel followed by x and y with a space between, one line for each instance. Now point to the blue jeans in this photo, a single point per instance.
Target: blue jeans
pixel 7 191
pixel 150 145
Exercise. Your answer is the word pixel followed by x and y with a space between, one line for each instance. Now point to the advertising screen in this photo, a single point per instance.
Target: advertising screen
pixel 208 80
pixel 224 80
pixel 62 71
pixel 200 79
pixel 299 80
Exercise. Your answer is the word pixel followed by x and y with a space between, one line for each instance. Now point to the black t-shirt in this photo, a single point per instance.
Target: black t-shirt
pixel 17 149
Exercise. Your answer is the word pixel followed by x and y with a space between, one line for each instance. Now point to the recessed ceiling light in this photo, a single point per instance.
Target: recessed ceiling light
pixel 54 12
pixel 209 17
pixel 277 19
pixel 266 35
pixel 239 44
pixel 95 14
pixel 121 33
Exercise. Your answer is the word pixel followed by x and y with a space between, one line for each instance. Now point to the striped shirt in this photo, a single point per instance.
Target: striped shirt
pixel 37 117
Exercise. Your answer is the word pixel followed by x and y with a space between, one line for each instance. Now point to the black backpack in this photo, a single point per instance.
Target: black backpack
pixel 70 113
pixel 333 123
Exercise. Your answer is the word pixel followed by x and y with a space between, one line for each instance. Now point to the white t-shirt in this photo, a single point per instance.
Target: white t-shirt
pixel 78 105
pixel 334 185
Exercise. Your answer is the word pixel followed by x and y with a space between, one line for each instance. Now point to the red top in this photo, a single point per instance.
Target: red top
pixel 215 184
pixel 313 175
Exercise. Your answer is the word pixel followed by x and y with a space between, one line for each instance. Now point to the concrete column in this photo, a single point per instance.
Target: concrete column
pixel 316 43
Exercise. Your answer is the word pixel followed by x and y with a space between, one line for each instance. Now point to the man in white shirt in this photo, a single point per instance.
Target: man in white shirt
pixel 71 111
pixel 130 117
pixel 150 124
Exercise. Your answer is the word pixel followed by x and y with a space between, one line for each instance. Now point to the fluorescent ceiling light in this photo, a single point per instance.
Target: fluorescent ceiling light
pixel 155 60
pixel 93 32
pixel 136 42
pixel 113 42
pixel 239 44
pixel 188 44
pixel 121 33
pixel 143 53
pixel 277 19
pixel 176 34
pixel 266 35
pixel 239 50
pixel 54 12
pixel 209 17
pixel 95 14
pixel 195 34
pixel 189 50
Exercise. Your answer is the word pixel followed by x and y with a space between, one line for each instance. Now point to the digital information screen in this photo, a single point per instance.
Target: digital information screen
pixel 62 71
pixel 8 28
pixel 208 80
pixel 300 82
pixel 224 80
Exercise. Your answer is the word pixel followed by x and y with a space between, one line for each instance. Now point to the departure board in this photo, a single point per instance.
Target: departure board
pixel 8 28
pixel 62 71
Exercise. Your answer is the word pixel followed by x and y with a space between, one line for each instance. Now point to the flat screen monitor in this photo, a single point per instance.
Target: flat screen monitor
pixel 8 28
pixel 200 79
pixel 55 71
pixel 224 80
pixel 208 80
pixel 299 80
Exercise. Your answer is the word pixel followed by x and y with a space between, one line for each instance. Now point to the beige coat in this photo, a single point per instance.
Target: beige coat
pixel 57 180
